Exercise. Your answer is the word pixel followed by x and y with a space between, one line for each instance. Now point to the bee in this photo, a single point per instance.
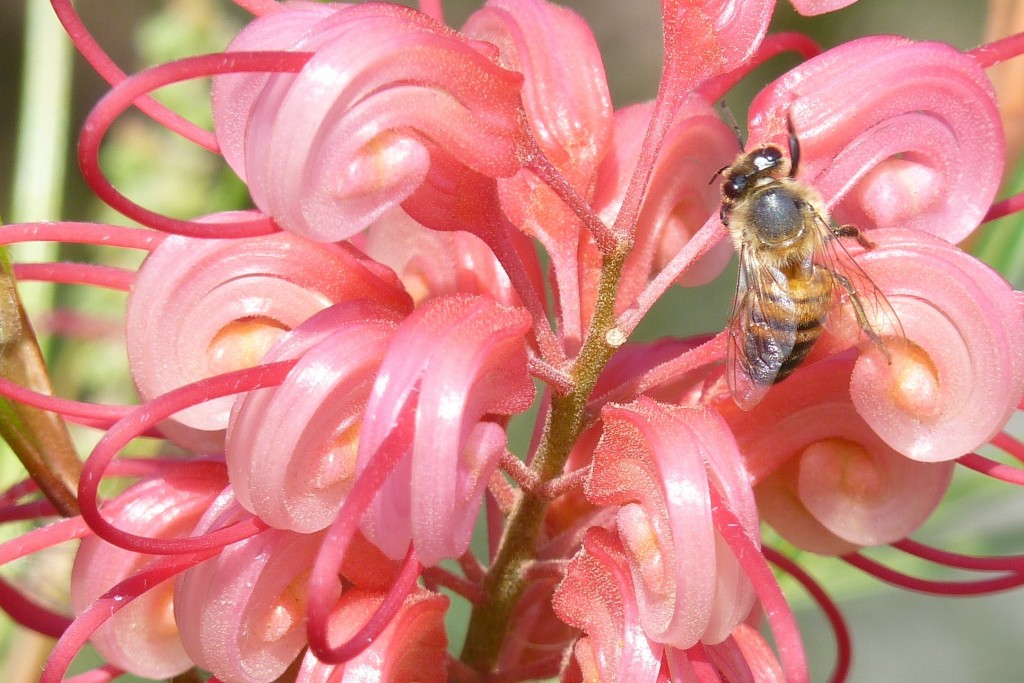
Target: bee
pixel 793 272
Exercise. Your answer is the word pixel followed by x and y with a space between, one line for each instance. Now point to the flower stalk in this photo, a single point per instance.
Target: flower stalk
pixel 506 579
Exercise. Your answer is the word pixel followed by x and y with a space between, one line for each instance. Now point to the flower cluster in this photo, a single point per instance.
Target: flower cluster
pixel 334 371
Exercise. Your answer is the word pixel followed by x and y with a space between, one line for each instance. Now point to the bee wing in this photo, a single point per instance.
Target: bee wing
pixel 762 330
pixel 859 307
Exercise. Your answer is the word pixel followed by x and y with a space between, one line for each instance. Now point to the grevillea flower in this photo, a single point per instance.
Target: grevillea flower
pixel 229 301
pixel 597 597
pixel 658 463
pixel 294 473
pixel 458 362
pixel 390 85
pixel 823 472
pixel 451 230
pixel 893 133
pixel 241 613
pixel 144 636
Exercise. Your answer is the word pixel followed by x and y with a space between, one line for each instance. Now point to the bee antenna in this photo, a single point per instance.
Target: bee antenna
pixel 794 147
pixel 718 173
pixel 731 120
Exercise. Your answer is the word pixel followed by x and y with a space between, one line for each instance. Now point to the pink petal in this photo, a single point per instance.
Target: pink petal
pixel 596 596
pixel 432 264
pixel 291 449
pixel 199 308
pixel 836 483
pixel 143 637
pixel 329 150
pixel 412 649
pixel 565 92
pixel 235 95
pixel 962 377
pixel 243 612
pixel 654 461
pixel 709 37
pixel 454 361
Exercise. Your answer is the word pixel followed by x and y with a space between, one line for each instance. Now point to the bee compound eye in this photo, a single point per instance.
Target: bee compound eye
pixel 733 186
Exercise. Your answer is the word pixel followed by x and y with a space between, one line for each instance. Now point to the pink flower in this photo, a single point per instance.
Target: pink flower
pixel 203 307
pixel 329 150
pixel 597 597
pixel 893 133
pixel 826 480
pixel 291 471
pixel 454 229
pixel 962 375
pixel 459 363
pixel 144 637
pixel 658 463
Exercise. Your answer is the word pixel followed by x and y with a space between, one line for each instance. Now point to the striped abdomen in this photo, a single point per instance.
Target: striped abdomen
pixel 794 310
pixel 813 298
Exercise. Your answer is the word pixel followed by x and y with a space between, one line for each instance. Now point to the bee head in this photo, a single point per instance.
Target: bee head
pixel 740 177
pixel 766 158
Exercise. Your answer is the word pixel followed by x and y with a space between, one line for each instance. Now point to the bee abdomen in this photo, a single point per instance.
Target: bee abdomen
pixel 812 298
pixel 805 338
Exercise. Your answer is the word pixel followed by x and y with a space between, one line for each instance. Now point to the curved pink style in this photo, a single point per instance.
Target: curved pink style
pixel 893 133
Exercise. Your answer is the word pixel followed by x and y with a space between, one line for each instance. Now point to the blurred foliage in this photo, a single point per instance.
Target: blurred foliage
pixel 1001 242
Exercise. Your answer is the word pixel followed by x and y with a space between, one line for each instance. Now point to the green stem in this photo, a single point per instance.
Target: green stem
pixel 504 584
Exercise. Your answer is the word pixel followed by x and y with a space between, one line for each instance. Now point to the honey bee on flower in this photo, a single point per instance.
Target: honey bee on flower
pixel 793 272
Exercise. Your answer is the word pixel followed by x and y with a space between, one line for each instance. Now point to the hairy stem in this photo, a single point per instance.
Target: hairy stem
pixel 506 581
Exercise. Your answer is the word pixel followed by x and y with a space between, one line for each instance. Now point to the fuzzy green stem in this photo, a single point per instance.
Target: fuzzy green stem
pixel 505 582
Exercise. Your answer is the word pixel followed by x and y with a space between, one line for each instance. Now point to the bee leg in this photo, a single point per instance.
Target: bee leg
pixel 862 316
pixel 854 232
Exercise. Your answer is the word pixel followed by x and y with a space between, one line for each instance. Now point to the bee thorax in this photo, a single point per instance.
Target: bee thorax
pixel 777 215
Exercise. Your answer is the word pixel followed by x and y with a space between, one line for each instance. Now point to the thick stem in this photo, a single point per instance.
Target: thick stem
pixel 506 581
